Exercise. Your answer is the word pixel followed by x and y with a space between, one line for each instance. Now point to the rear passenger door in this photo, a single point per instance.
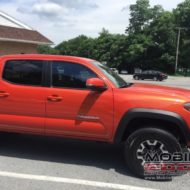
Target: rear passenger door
pixel 22 97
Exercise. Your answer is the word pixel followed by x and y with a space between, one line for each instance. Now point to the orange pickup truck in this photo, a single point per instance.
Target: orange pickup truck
pixel 81 98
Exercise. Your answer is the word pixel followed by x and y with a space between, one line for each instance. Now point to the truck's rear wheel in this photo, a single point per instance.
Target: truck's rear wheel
pixel 148 141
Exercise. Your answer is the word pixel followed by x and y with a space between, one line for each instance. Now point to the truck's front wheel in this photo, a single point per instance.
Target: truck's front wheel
pixel 145 148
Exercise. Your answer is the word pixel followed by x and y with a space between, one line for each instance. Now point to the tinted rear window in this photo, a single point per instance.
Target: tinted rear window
pixel 25 72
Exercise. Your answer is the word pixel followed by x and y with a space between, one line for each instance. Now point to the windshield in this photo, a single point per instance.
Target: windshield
pixel 114 77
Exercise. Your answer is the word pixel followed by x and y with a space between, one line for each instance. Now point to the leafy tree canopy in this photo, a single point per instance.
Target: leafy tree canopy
pixel 149 41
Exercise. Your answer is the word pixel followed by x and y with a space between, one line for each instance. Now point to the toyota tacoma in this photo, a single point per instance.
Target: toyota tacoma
pixel 81 98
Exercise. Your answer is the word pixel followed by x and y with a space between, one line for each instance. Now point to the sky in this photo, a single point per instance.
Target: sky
pixel 61 20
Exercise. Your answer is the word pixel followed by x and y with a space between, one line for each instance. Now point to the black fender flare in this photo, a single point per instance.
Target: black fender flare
pixel 151 114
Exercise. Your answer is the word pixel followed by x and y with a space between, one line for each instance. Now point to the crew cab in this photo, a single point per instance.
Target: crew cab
pixel 80 98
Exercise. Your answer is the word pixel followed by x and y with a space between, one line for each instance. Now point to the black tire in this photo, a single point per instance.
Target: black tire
pixel 135 140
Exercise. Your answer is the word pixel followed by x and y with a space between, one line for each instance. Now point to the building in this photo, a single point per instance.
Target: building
pixel 17 38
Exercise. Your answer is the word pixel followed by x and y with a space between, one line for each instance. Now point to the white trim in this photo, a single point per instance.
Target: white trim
pixel 71 181
pixel 15 21
pixel 25 41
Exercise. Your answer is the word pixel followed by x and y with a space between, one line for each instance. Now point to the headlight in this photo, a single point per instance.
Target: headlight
pixel 187 106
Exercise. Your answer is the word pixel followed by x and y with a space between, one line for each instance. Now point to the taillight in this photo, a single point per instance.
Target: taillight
pixel 187 106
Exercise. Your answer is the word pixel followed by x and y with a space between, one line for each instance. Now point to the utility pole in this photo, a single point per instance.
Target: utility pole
pixel 178 43
pixel 177 49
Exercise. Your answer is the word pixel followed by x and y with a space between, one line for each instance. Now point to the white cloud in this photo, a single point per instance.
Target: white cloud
pixel 77 4
pixel 64 19
pixel 48 8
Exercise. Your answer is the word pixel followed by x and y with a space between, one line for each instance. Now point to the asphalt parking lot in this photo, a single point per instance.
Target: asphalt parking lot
pixel 44 163
pixel 181 82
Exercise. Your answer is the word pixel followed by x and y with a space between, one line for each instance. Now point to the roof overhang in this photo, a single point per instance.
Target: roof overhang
pixel 13 20
pixel 24 41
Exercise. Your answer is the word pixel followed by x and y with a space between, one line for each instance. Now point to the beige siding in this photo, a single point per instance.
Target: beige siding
pixel 7 48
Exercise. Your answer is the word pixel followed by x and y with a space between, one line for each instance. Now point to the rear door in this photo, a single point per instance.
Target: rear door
pixel 22 96
pixel 72 109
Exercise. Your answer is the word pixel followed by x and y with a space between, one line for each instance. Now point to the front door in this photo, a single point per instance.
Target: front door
pixel 72 109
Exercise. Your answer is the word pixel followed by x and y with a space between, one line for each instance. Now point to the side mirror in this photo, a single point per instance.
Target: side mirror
pixel 95 84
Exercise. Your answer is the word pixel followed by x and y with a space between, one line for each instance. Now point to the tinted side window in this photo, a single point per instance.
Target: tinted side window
pixel 25 72
pixel 70 75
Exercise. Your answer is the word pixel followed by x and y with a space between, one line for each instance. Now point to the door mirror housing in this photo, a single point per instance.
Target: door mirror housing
pixel 95 84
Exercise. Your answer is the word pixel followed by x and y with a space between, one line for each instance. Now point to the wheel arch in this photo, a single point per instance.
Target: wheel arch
pixel 137 118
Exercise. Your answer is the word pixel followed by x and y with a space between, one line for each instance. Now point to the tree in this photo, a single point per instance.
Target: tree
pixel 182 19
pixel 110 48
pixel 163 35
pixel 44 49
pixel 79 46
pixel 137 51
pixel 182 14
pixel 184 57
pixel 140 14
pixel 156 11
pixel 153 35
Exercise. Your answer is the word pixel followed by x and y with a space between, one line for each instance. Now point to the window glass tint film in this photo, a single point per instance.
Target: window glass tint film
pixel 25 72
pixel 70 75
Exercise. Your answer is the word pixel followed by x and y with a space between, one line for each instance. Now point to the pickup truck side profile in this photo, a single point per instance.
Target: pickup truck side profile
pixel 81 98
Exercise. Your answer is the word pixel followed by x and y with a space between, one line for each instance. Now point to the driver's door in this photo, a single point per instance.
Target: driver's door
pixel 72 109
